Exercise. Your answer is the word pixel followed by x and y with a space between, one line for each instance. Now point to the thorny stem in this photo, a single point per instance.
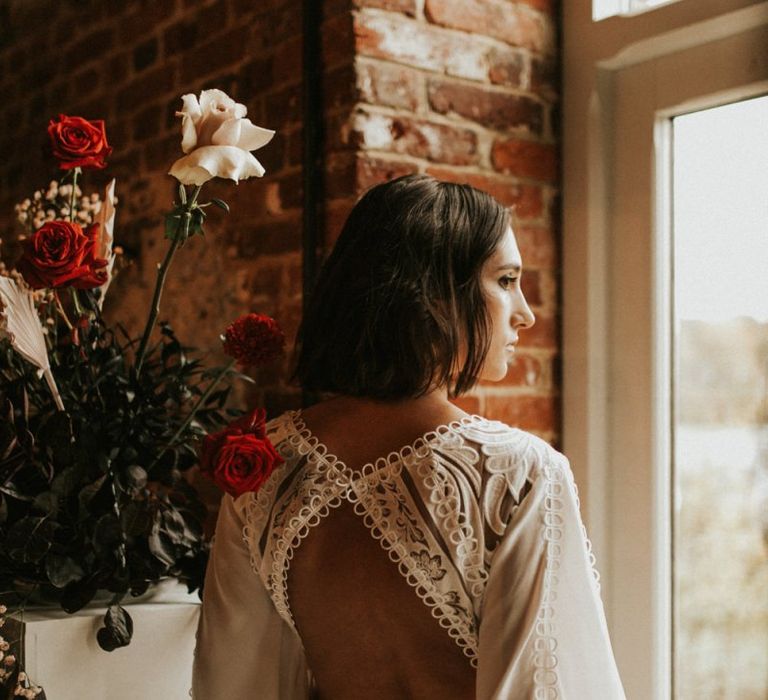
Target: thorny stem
pixel 182 233
pixel 72 196
pixel 61 311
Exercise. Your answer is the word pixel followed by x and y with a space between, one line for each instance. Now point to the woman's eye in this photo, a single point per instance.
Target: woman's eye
pixel 507 281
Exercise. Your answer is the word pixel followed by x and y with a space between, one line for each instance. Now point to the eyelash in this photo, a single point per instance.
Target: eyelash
pixel 507 281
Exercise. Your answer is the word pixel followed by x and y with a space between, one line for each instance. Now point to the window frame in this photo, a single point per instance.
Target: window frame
pixel 624 79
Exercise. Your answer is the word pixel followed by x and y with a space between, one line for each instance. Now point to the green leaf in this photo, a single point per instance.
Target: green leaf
pixel 221 204
pixel 117 630
pixel 62 570
pixel 3 509
pixel 29 539
pixel 47 502
pixel 56 431
pixel 172 224
pixel 135 519
pixel 197 221
pixel 159 544
pixel 77 594
pixel 137 476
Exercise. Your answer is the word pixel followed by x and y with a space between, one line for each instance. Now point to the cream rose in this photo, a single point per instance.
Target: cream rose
pixel 218 140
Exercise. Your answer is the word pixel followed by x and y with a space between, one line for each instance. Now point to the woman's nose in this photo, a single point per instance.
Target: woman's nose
pixel 523 316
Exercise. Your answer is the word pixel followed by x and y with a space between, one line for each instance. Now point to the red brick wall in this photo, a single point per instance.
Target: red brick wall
pixel 463 89
pixel 466 90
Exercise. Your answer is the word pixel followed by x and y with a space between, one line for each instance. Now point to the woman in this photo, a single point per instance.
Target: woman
pixel 406 549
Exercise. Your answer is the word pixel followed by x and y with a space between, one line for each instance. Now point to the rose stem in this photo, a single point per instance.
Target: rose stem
pixel 208 391
pixel 182 232
pixel 61 311
pixel 75 173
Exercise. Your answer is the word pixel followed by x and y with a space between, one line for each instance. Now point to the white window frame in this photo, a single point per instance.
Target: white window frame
pixel 624 79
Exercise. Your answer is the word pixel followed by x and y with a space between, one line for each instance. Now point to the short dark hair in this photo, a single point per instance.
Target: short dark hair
pixel 399 302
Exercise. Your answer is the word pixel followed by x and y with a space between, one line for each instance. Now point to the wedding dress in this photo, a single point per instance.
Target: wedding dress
pixel 503 564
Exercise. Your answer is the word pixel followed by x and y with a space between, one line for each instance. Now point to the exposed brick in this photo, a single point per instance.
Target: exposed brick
pixel 389 85
pixel 340 175
pixel 145 54
pixel 525 159
pixel 526 370
pixel 537 247
pixel 295 147
pixel 422 139
pixel 220 53
pixel 339 88
pixel 530 284
pixel 163 152
pixel 117 69
pixel 146 124
pixel 543 333
pixel 290 190
pixel 544 78
pixel 527 199
pixel 154 84
pixel 537 413
pixel 283 107
pixel 269 238
pixel 512 23
pixel 420 45
pixel 272 156
pixel 287 62
pixel 506 67
pixel 492 108
pixel 147 15
pixel 549 7
pixel 336 213
pixel 255 76
pixel 373 171
pixel 90 47
pixel 337 41
pixel 407 7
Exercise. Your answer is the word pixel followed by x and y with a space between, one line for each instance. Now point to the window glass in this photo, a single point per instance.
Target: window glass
pixel 720 434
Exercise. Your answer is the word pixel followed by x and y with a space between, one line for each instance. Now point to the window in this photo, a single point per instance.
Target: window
pixel 720 390
pixel 602 9
pixel 629 86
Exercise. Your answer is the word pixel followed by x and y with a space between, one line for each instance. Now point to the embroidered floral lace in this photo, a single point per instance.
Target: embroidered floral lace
pixel 495 497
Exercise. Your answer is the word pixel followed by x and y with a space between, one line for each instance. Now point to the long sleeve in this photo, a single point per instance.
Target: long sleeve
pixel 543 632
pixel 244 648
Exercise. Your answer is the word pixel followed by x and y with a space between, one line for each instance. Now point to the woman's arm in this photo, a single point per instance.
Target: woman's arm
pixel 543 632
pixel 244 648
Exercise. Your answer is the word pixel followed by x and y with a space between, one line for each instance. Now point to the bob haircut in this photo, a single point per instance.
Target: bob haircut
pixel 398 308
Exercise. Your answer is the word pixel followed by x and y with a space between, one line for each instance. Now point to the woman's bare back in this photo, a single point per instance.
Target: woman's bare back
pixel 365 631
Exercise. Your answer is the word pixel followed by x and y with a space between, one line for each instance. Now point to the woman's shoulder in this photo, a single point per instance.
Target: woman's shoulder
pixel 497 438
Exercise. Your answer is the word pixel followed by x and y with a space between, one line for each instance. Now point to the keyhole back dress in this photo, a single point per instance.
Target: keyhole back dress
pixel 481 583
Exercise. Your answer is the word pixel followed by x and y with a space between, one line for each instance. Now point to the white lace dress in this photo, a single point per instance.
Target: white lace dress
pixel 506 566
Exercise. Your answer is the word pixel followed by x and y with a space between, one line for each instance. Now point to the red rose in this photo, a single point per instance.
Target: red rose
pixel 60 254
pixel 240 457
pixel 254 340
pixel 79 143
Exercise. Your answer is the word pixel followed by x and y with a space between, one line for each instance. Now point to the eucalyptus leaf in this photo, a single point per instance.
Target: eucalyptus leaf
pixel 61 569
pixel 117 630
pixel 221 204
pixel 77 594
pixel 29 539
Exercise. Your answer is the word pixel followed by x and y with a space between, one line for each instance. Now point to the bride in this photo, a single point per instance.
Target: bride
pixel 405 549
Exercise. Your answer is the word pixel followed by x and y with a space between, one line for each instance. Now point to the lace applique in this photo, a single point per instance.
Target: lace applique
pixel 445 473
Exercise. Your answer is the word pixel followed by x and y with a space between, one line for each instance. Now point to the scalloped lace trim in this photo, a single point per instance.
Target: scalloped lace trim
pixel 446 467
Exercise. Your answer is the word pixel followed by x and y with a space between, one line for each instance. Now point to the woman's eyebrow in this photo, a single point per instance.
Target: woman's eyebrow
pixel 516 267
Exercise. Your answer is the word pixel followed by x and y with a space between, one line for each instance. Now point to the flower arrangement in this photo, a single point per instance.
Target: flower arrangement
pixel 98 428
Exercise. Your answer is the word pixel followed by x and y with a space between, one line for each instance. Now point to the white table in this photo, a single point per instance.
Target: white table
pixel 62 655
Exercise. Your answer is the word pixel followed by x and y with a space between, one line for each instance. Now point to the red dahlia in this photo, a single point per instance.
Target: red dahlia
pixel 254 340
